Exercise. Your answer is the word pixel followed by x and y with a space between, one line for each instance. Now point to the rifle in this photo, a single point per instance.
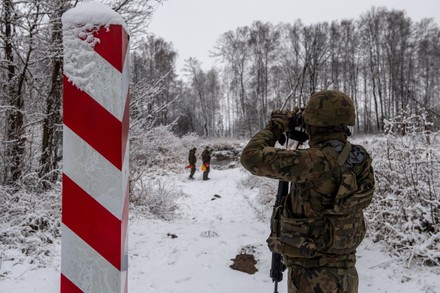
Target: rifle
pixel 277 267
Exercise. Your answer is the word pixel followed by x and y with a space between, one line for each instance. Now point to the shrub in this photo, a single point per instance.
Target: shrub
pixel 405 210
pixel 155 198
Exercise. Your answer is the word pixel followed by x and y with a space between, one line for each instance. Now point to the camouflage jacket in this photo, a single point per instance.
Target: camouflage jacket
pixel 311 210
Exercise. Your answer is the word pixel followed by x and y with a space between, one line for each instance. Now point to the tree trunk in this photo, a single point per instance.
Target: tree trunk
pixel 52 131
pixel 15 139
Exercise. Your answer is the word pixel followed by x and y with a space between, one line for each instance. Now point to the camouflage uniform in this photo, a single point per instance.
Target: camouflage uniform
pixel 192 161
pixel 320 222
pixel 206 158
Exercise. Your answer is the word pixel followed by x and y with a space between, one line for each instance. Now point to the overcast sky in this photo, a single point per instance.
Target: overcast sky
pixel 194 26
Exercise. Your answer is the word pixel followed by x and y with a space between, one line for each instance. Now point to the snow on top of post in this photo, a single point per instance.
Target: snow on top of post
pixel 92 14
pixel 81 65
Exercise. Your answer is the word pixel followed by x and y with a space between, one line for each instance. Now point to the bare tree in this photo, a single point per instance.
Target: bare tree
pixel 372 28
pixel 263 42
pixel 20 24
pixel 396 47
pixel 198 84
pixel 292 67
pixel 213 88
pixel 136 13
pixel 31 83
pixel 52 123
pixel 233 50
pixel 317 53
pixel 427 34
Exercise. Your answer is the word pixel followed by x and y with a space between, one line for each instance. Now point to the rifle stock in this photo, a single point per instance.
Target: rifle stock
pixel 277 267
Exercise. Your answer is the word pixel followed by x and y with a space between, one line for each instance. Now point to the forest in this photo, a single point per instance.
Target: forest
pixel 387 63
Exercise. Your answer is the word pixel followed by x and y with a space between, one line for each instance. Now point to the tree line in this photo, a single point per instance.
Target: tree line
pixel 385 61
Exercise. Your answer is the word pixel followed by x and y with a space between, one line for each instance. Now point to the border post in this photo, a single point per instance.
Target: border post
pixel 94 256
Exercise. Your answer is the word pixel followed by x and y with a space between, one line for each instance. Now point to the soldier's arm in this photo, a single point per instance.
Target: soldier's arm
pixel 262 159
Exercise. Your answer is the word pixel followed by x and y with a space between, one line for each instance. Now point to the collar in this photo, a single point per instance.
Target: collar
pixel 325 137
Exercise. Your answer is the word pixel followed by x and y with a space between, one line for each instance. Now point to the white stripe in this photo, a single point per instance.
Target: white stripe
pixel 87 70
pixel 94 173
pixel 86 268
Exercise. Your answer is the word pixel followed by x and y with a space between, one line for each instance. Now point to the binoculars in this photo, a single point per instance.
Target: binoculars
pixel 296 129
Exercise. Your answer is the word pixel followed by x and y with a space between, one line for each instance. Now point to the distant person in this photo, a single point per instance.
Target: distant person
pixel 192 162
pixel 206 158
pixel 320 223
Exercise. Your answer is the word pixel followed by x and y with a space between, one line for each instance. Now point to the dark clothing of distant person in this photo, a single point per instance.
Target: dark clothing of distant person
pixel 192 161
pixel 206 158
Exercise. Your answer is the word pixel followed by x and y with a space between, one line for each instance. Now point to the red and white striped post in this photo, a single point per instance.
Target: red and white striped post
pixel 95 151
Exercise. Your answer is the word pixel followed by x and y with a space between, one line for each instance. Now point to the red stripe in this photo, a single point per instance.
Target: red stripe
pixel 93 123
pixel 113 45
pixel 67 286
pixel 93 223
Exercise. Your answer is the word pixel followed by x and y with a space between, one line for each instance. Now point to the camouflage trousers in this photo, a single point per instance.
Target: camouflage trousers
pixel 322 280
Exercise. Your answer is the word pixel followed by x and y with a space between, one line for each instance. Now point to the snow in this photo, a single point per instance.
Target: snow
pixel 216 220
pixel 82 66
pixel 92 14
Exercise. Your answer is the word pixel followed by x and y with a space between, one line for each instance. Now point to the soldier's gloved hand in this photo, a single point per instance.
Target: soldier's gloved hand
pixel 280 119
pixel 295 111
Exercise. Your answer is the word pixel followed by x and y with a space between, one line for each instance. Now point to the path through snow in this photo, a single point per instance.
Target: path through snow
pixel 215 224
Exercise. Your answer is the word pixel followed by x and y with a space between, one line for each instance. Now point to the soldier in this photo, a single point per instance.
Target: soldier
pixel 192 161
pixel 206 158
pixel 320 223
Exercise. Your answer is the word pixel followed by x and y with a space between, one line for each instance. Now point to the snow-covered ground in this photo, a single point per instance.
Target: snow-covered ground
pixel 192 253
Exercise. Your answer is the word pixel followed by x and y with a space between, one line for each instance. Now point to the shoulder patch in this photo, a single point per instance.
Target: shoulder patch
pixel 357 156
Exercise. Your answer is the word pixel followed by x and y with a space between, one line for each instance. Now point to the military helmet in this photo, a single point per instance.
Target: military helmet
pixel 329 108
